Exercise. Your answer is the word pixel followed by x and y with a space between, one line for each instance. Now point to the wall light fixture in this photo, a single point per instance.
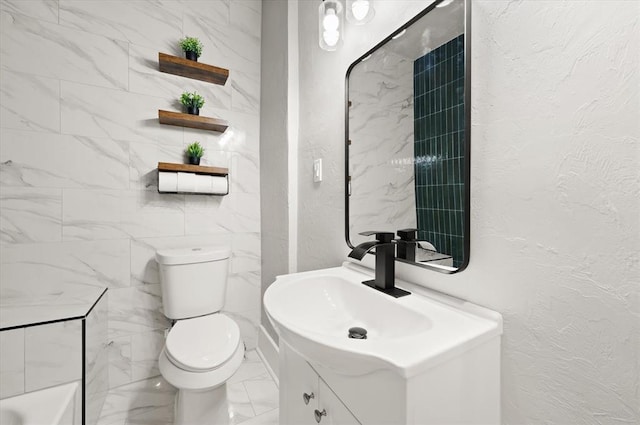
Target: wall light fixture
pixel 330 24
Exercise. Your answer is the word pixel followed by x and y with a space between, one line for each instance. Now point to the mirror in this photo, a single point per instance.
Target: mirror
pixel 407 139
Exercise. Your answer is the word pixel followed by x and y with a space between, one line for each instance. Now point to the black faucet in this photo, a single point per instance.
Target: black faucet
pixel 385 262
pixel 407 244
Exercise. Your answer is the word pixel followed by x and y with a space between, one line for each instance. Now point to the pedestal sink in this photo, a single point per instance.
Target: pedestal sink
pixel 410 342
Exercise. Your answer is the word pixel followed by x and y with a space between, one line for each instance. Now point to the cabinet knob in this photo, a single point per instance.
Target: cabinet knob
pixel 320 414
pixel 306 397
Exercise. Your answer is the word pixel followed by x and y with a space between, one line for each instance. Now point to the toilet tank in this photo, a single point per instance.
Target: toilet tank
pixel 193 280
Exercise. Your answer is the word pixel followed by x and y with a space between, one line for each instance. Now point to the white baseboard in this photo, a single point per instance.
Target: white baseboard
pixel 268 352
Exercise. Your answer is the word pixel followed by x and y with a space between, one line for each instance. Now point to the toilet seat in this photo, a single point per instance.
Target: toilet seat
pixel 199 381
pixel 202 344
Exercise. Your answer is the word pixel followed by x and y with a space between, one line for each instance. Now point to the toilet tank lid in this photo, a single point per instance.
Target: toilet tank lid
pixel 193 255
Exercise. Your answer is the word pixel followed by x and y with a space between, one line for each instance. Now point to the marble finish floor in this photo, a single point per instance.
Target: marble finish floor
pixel 252 396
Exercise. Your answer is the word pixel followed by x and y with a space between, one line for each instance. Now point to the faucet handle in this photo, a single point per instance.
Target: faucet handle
pixel 408 235
pixel 382 237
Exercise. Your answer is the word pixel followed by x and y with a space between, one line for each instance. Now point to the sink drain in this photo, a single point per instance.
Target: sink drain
pixel 357 333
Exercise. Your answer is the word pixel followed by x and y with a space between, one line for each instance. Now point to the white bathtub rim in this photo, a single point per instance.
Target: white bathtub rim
pixel 52 404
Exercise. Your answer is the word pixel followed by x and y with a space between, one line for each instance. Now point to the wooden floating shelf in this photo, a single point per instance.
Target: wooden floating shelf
pixel 192 179
pixel 197 169
pixel 192 69
pixel 192 121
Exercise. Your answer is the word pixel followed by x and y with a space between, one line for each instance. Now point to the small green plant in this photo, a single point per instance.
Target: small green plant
pixel 192 100
pixel 195 150
pixel 191 44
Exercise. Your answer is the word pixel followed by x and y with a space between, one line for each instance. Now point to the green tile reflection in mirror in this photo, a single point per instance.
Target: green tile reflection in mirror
pixel 439 147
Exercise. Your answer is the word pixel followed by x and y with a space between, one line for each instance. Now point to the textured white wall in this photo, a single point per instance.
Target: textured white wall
pixel 555 229
pixel 274 156
pixel 80 141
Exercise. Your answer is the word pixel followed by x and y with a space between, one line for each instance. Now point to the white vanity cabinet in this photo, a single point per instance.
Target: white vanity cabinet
pixel 305 399
pixel 336 412
pixel 464 390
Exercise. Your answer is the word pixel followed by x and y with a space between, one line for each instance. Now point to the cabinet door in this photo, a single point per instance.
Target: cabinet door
pixel 331 411
pixel 298 389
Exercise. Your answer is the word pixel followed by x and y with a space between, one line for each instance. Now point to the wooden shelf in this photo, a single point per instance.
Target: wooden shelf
pixel 197 169
pixel 192 69
pixel 192 179
pixel 192 121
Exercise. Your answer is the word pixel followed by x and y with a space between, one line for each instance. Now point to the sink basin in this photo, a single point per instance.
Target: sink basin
pixel 313 312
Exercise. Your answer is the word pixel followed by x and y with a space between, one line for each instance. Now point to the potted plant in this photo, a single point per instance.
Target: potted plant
pixel 192 48
pixel 193 102
pixel 194 153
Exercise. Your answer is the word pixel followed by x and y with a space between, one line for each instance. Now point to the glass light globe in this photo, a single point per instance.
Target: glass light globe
pixel 359 12
pixel 331 22
pixel 331 37
pixel 360 9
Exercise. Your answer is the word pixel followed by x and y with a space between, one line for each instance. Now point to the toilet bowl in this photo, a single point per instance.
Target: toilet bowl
pixel 203 348
pixel 198 358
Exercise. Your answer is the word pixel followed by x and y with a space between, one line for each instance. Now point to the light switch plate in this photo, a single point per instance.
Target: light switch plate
pixel 317 170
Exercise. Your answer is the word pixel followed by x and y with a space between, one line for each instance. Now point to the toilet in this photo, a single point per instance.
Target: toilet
pixel 203 348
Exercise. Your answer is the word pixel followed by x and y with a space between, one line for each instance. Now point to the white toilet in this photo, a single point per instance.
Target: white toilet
pixel 203 348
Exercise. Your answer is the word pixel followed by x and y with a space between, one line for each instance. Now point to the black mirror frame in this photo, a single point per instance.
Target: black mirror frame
pixel 467 133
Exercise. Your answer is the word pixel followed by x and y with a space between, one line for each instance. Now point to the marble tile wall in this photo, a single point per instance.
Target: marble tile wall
pixel 79 144
pixel 38 357
pixel 45 355
pixel 11 362
pixel 381 154
pixel 96 360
